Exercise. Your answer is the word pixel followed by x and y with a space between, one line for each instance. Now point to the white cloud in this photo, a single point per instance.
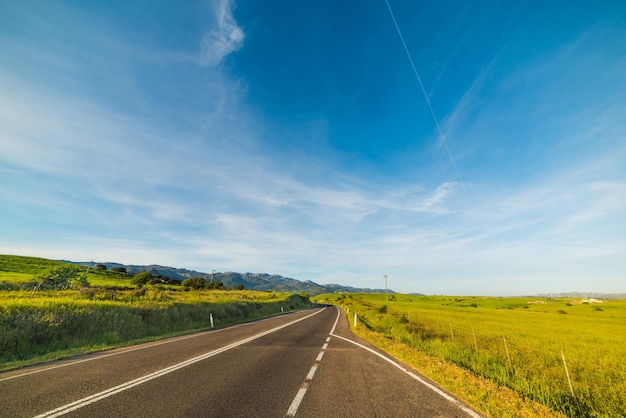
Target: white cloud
pixel 223 40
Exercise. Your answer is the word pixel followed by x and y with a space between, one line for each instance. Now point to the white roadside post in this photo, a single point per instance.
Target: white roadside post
pixel 355 320
pixel 386 290
pixel 211 318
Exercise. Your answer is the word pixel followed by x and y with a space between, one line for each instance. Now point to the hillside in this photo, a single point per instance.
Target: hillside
pixel 250 281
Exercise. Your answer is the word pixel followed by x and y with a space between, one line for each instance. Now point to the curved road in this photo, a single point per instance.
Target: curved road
pixel 302 364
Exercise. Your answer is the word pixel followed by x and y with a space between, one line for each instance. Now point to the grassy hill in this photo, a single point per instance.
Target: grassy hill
pixel 17 272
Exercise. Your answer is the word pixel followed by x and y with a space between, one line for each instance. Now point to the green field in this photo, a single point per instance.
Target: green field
pixel 38 325
pixel 519 343
pixel 17 272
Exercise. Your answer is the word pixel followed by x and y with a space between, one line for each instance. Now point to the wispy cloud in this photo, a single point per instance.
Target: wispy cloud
pixel 136 155
pixel 223 40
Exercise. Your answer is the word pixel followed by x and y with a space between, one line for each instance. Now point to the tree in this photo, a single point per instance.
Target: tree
pixel 141 278
pixel 79 281
pixel 119 269
pixel 240 287
pixel 194 283
pixel 215 285
pixel 59 277
pixel 101 267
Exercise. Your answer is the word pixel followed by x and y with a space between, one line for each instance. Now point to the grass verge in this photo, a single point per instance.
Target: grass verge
pixel 484 395
pixel 518 344
pixel 56 324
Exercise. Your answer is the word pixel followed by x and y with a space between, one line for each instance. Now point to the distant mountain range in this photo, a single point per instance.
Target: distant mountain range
pixel 583 295
pixel 250 281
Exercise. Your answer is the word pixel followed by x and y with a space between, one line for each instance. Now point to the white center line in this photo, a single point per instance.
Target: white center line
pixel 311 372
pixel 291 412
pixel 295 404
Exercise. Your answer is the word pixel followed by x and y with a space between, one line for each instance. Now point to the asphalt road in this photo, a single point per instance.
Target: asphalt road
pixel 301 364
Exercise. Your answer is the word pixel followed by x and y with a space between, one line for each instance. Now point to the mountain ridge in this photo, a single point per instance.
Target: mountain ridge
pixel 250 281
pixel 582 295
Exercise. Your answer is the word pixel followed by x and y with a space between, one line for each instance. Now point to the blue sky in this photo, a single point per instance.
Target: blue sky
pixel 294 138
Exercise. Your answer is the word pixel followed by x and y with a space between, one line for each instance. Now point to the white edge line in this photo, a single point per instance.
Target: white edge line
pixel 112 391
pixel 332 331
pixel 319 356
pixel 128 349
pixel 414 376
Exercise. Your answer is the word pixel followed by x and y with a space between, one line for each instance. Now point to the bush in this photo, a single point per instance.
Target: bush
pixel 60 277
pixel 141 278
pixel 194 283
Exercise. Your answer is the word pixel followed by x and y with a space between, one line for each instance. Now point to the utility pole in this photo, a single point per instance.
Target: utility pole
pixel 386 290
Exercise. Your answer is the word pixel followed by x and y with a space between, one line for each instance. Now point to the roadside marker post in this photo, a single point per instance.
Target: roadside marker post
pixel 211 318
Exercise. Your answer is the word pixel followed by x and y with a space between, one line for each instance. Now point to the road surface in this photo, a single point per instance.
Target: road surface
pixel 303 364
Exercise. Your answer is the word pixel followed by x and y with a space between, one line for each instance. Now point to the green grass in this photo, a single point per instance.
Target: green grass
pixel 55 324
pixel 592 338
pixel 25 265
pixel 16 272
pixel 50 324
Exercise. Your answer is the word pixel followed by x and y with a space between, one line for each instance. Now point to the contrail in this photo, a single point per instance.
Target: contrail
pixel 430 107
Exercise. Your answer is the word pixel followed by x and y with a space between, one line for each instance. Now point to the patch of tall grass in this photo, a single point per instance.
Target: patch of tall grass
pixel 52 324
pixel 517 344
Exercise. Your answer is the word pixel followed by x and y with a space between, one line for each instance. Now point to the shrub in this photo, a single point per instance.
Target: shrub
pixel 141 278
pixel 194 283
pixel 59 277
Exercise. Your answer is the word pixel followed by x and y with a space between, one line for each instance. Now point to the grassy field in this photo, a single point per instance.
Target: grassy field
pixel 17 272
pixel 517 343
pixel 38 325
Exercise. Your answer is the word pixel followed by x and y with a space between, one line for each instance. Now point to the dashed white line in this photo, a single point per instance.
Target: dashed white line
pixel 293 409
pixel 295 404
pixel 312 372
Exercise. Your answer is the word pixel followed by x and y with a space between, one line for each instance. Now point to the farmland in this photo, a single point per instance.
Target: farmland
pixel 525 345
